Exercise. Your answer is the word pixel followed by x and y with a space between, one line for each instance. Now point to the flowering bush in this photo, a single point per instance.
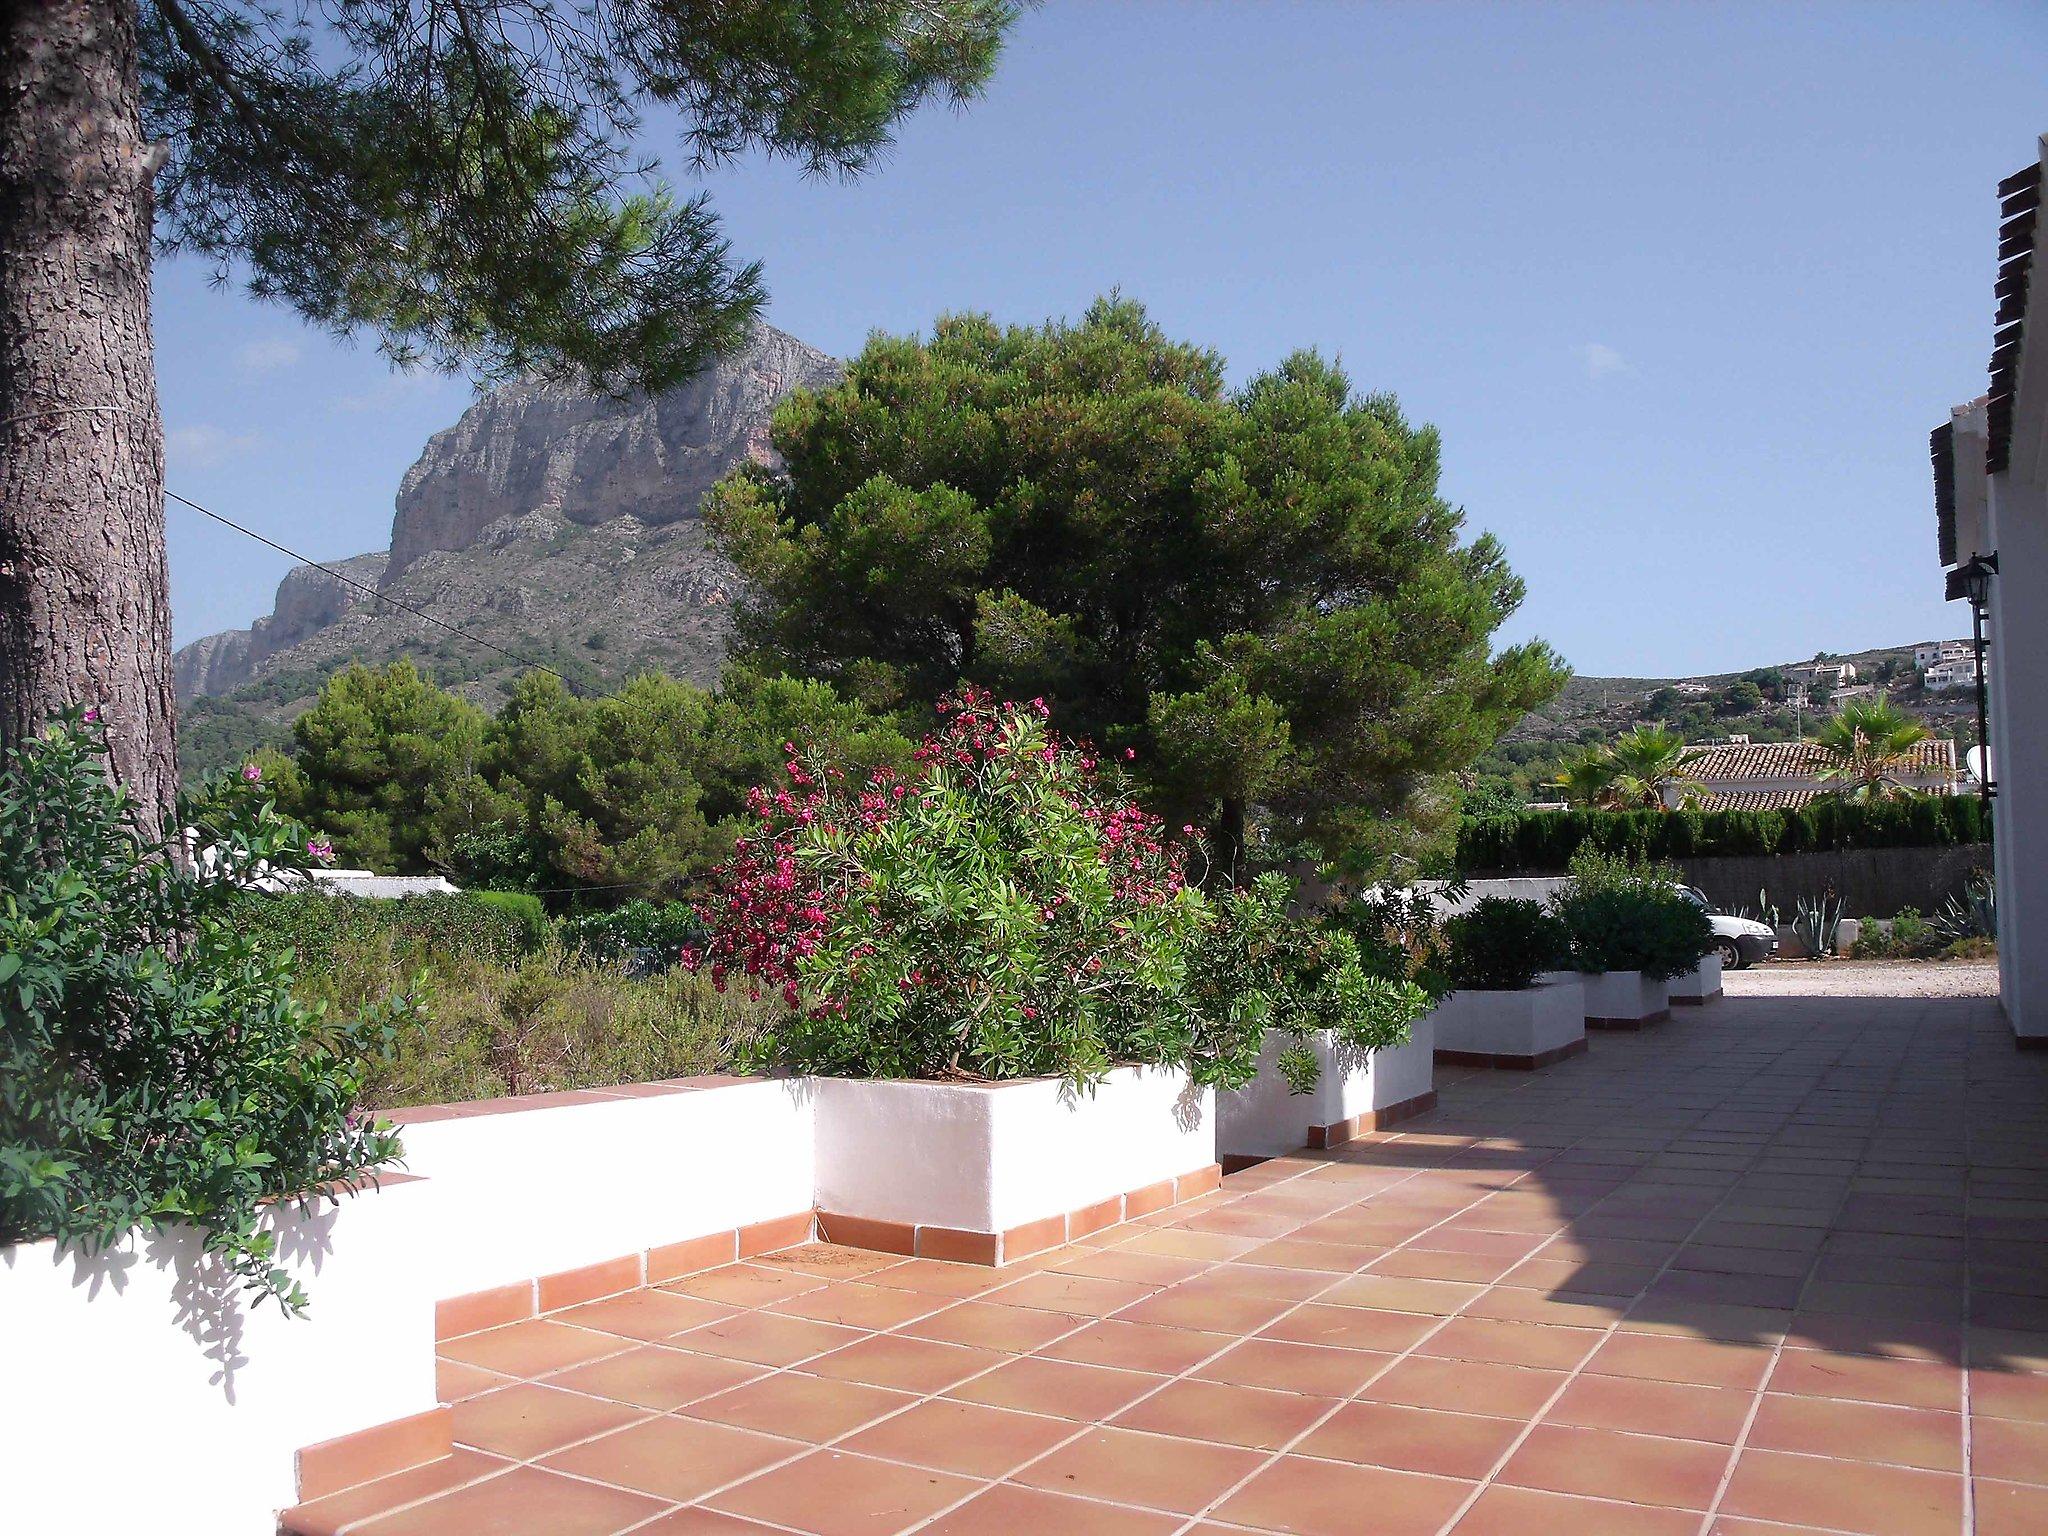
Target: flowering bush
pixel 154 1064
pixel 997 911
pixel 1267 969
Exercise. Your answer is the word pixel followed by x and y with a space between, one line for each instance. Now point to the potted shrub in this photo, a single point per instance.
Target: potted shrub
pixel 1505 1009
pixel 985 967
pixel 1631 930
pixel 1343 1051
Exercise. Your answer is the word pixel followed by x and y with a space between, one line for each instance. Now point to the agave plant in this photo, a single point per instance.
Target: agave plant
pixel 1973 915
pixel 1818 923
pixel 1870 747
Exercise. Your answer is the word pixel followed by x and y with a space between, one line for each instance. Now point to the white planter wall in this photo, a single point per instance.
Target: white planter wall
pixel 1699 984
pixel 148 1356
pixel 987 1157
pixel 1263 1119
pixel 1625 999
pixel 1527 1027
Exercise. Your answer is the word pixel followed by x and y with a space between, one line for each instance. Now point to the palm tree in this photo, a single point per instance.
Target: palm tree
pixel 1587 778
pixel 1648 766
pixel 1870 747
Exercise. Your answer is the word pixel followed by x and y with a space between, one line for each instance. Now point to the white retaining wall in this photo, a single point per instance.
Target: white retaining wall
pixel 1545 1017
pixel 1264 1119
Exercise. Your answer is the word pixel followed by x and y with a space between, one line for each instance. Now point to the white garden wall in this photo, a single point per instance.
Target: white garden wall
pixel 988 1157
pixel 1625 1000
pixel 1528 1027
pixel 1699 984
pixel 1265 1119
pixel 147 1361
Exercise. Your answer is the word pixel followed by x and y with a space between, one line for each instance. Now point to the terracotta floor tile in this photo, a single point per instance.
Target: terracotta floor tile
pixel 643 1314
pixel 1148 1269
pixel 745 1285
pixel 909 1365
pixel 1181 1244
pixel 2009 1395
pixel 1310 1368
pixel 657 1378
pixel 767 1338
pixel 1350 1328
pixel 1273 1281
pixel 1137 1346
pixel 935 1278
pixel 2009 1450
pixel 1907 1437
pixel 1855 1496
pixel 1210 1312
pixel 1503 1343
pixel 1075 1295
pixel 857 1305
pixel 1331 1498
pixel 524 1421
pixel 1006 1510
pixel 1700 1362
pixel 699 1521
pixel 1903 1383
pixel 326 1517
pixel 802 1407
pixel 524 1502
pixel 2010 1509
pixel 530 1348
pixel 1133 1468
pixel 1714 1414
pixel 1527 1512
pixel 828 1261
pixel 1032 1385
pixel 1412 1439
pixel 1301 1253
pixel 1466 1386
pixel 674 1459
pixel 1014 1330
pixel 1394 1293
pixel 1602 1464
pixel 1434 1264
pixel 830 1493
pixel 1226 1414
pixel 972 1439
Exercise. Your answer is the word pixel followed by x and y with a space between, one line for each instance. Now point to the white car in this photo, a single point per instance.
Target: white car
pixel 1742 941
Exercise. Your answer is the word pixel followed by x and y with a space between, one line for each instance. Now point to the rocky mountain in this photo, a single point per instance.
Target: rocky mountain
pixel 552 522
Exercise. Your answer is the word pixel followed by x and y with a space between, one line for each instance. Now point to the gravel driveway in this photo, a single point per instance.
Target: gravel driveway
pixel 1865 978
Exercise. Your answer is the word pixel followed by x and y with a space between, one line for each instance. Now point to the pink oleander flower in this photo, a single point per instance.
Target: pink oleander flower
pixel 92 714
pixel 252 773
pixel 319 848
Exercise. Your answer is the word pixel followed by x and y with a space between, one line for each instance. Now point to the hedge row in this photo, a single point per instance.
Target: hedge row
pixel 1543 842
pixel 493 925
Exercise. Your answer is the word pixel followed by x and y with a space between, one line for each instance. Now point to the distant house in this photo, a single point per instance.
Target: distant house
pixel 1833 674
pixel 1741 775
pixel 1952 672
pixel 1935 652
pixel 358 882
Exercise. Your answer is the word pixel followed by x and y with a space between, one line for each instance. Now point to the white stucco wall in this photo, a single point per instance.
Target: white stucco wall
pixel 146 1365
pixel 1704 980
pixel 988 1157
pixel 1625 995
pixel 1545 1017
pixel 1264 1119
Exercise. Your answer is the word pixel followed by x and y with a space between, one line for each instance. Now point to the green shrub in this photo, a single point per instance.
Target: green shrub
pixel 1500 944
pixel 524 910
pixel 661 929
pixel 155 1066
pixel 1000 913
pixel 1543 842
pixel 493 925
pixel 1264 969
pixel 1623 916
pixel 1909 937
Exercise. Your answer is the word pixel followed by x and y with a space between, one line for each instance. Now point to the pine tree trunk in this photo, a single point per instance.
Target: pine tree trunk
pixel 84 589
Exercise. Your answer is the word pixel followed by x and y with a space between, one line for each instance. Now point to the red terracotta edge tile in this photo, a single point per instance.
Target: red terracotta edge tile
pixel 478 1310
pixel 368 1454
pixel 782 1232
pixel 674 1260
pixel 866 1232
pixel 1153 1197
pixel 1202 1181
pixel 1021 1242
pixel 608 1277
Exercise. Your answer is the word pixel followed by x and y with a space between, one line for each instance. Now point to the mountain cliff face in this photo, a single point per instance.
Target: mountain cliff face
pixel 555 523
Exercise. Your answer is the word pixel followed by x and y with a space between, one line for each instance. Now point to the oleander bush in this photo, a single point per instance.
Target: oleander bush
pixel 1000 910
pixel 156 1066
pixel 1500 944
pixel 1265 969
pixel 1624 916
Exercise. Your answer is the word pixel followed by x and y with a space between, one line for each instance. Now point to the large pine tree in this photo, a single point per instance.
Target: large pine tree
pixel 1260 593
pixel 458 178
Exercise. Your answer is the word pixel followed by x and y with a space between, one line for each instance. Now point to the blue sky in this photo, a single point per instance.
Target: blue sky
pixel 1684 287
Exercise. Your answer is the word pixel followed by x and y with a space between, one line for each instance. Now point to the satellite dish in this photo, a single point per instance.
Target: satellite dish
pixel 1974 761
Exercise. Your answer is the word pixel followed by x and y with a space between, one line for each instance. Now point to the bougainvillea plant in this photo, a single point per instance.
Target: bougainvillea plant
pixel 997 911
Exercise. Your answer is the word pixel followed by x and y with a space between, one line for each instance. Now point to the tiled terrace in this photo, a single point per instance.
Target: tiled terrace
pixel 1775 1266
